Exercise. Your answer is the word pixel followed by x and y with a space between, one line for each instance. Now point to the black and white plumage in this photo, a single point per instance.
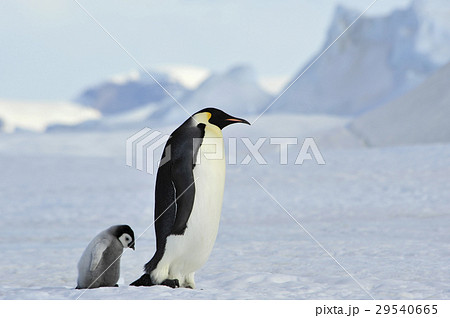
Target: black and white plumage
pixel 188 199
pixel 99 266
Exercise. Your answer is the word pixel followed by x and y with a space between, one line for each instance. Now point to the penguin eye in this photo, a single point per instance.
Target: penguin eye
pixel 127 239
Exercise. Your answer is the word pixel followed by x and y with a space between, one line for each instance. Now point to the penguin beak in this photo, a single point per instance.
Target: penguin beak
pixel 235 120
pixel 132 246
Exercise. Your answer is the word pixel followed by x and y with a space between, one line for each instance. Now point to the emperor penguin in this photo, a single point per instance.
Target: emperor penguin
pixel 99 266
pixel 188 199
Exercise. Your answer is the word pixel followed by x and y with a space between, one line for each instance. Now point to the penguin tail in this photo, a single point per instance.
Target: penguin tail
pixel 145 280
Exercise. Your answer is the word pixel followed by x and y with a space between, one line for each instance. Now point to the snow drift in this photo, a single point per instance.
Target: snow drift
pixel 37 116
pixel 420 116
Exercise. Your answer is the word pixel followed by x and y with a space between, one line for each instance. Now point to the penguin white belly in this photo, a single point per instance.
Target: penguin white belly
pixel 185 254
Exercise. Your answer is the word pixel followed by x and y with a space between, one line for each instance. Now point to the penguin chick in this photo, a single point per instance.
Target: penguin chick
pixel 99 266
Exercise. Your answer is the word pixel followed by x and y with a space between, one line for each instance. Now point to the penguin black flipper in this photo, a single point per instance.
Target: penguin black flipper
pixel 184 148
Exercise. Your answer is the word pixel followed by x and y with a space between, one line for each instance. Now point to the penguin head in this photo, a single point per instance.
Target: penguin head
pixel 217 117
pixel 124 234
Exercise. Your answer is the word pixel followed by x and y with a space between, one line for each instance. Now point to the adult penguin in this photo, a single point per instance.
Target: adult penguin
pixel 188 199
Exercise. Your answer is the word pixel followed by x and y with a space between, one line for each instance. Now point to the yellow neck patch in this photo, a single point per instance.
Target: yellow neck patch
pixel 202 118
pixel 210 129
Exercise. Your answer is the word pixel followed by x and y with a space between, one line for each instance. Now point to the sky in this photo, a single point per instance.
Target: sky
pixel 52 49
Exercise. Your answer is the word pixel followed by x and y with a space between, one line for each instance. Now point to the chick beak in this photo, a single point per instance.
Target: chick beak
pixel 132 246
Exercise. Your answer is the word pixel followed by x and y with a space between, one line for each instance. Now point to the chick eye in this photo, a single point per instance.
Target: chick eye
pixel 127 239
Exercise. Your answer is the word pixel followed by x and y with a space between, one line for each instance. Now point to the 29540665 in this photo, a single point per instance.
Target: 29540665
pixel 406 309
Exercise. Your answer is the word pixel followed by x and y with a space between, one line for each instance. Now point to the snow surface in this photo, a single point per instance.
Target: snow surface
pixel 382 213
pixel 37 116
pixel 421 116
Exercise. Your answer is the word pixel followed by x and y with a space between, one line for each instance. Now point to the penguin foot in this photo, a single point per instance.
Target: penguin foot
pixel 174 283
pixel 145 280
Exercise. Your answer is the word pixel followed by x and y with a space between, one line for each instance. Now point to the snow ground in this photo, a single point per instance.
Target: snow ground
pixel 382 213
